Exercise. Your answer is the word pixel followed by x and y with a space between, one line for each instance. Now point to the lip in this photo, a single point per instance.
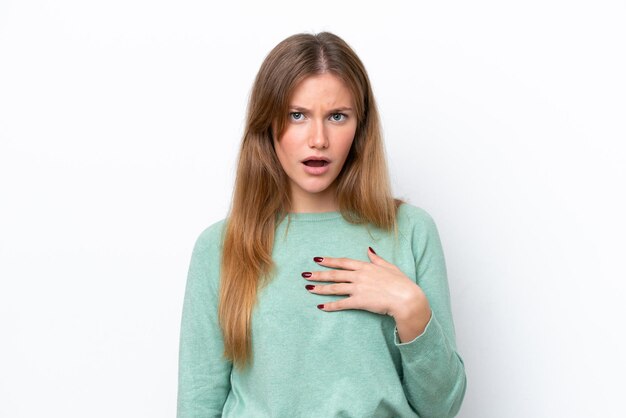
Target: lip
pixel 316 171
pixel 315 157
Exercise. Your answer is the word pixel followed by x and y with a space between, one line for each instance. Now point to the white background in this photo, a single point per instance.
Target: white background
pixel 120 124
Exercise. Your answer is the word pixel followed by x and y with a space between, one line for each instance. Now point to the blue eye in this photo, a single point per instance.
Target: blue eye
pixel 338 117
pixel 296 115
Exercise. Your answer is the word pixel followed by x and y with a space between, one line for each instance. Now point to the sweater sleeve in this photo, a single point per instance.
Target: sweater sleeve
pixel 203 372
pixel 433 373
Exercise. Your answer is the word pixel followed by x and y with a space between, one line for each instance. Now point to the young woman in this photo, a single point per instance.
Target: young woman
pixel 319 295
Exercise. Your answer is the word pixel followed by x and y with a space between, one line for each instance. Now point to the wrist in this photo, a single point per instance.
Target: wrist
pixel 412 316
pixel 412 305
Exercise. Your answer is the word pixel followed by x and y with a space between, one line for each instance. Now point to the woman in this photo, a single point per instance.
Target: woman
pixel 319 295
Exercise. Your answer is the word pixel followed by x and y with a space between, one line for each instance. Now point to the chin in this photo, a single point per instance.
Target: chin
pixel 316 190
pixel 319 188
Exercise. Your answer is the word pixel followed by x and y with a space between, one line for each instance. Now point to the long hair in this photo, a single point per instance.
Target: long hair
pixel 261 197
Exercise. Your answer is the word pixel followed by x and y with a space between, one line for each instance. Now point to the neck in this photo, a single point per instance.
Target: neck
pixel 324 201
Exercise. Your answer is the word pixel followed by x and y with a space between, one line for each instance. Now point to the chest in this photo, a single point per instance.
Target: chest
pixel 286 314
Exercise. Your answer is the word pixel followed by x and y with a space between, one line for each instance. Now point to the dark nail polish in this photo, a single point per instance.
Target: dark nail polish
pixel 320 306
pixel 309 287
pixel 306 274
pixel 318 259
pixel 372 250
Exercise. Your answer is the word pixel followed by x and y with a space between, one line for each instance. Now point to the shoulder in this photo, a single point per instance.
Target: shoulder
pixel 211 237
pixel 419 229
pixel 413 219
pixel 204 266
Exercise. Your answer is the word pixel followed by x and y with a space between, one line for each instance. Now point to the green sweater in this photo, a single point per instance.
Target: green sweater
pixel 312 363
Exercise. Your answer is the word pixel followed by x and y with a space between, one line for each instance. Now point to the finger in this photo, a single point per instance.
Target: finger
pixel 331 289
pixel 338 305
pixel 378 260
pixel 341 262
pixel 329 275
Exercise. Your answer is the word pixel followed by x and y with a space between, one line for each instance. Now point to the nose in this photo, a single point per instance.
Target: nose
pixel 317 137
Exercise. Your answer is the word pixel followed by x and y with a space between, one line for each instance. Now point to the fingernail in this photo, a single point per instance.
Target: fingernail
pixel 318 259
pixel 320 306
pixel 306 274
pixel 309 287
pixel 372 250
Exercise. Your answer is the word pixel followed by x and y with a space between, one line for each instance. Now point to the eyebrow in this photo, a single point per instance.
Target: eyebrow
pixel 335 110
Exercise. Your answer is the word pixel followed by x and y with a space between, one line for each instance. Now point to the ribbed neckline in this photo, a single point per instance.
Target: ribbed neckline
pixel 313 216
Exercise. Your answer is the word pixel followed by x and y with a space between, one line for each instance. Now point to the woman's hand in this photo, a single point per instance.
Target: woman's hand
pixel 378 287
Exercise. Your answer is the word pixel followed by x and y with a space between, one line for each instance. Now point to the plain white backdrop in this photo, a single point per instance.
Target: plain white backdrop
pixel 120 124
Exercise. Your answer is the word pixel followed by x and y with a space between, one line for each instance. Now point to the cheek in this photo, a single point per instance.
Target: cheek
pixel 345 141
pixel 284 150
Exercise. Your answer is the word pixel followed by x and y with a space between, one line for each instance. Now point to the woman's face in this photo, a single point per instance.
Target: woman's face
pixel 320 126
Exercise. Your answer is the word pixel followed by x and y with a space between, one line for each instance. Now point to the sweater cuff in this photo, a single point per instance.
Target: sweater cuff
pixel 430 337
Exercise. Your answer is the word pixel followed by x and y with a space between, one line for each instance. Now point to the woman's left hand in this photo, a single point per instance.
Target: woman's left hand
pixel 378 287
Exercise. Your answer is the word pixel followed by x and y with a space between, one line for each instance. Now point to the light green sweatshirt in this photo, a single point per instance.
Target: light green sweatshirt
pixel 312 363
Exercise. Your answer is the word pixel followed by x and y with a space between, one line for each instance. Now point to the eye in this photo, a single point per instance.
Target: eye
pixel 296 115
pixel 338 117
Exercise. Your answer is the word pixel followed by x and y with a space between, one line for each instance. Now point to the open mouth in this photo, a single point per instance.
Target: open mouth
pixel 315 163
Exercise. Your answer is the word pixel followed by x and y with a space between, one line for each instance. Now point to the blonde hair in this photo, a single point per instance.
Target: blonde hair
pixel 261 194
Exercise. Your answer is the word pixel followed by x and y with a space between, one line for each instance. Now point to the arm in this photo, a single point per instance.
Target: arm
pixel 203 373
pixel 433 373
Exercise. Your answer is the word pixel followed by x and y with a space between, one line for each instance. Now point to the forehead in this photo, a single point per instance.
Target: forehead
pixel 321 89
